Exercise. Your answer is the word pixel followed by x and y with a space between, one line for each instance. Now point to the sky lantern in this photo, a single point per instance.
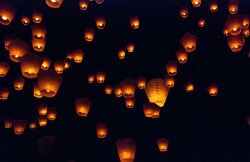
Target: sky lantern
pixel 18 48
pixel 245 22
pixel 235 42
pixel 49 82
pixel 83 106
pixel 18 83
pixel 234 24
pixel 213 6
pixel 182 56
pixel 130 47
pixel 163 144
pixel 8 123
pixel 189 87
pixel 149 109
pixel 183 12
pixel 42 109
pixel 42 120
pixel 32 125
pixel 245 33
pixel 7 13
pixel 128 88
pixel 157 113
pixel 8 40
pixel 36 91
pixel 46 63
pixel 100 77
pixel 59 66
pixel 89 34
pixel 37 17
pixel 54 3
pixel 233 6
pixel 39 31
pixel 134 22
pixel 70 56
pixel 99 1
pixel 100 22
pixel 188 41
pixel 52 113
pixel 4 93
pixel 196 3
pixel 157 91
pixel 30 65
pixel 121 54
pixel 91 78
pixel 201 22
pixel 78 56
pixel 130 102
pixel 212 90
pixel 25 20
pixel 108 89
pixel 101 130
pixel 225 31
pixel 126 150
pixel 38 45
pixel 83 5
pixel 4 69
pixel 171 68
pixel 67 64
pixel 19 126
pixel 118 91
pixel 141 82
pixel 169 80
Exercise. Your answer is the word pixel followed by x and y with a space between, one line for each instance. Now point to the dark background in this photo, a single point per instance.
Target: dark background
pixel 200 128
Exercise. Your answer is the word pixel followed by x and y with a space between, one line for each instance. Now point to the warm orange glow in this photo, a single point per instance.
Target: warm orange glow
pixel 70 56
pixel 17 49
pixel 128 88
pixel 59 66
pixel 78 55
pixel 8 123
pixel 235 42
pixel 7 13
pixel 37 17
pixel 38 45
pixel 183 12
pixel 212 90
pixel 83 4
pixel 89 34
pixel 134 22
pixel 18 83
pixel 91 78
pixel 169 80
pixel 130 47
pixel 100 77
pixel 233 6
pixel 4 69
pixel 39 31
pixel 141 82
pixel 101 130
pixel 83 106
pixel 8 40
pixel 100 22
pixel 19 126
pixel 196 3
pixel 42 109
pixel 163 144
pixel 36 91
pixel 225 31
pixel 67 64
pixel 234 24
pixel 46 63
pixel 182 56
pixel 25 20
pixel 171 68
pixel 32 125
pixel 188 41
pixel 126 150
pixel 245 22
pixel 245 32
pixel 201 22
pixel 118 91
pixel 52 113
pixel 108 89
pixel 121 54
pixel 54 3
pixel 213 6
pixel 130 102
pixel 149 109
pixel 42 120
pixel 189 86
pixel 4 93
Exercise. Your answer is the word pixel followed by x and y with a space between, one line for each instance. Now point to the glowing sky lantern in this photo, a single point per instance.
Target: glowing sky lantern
pixel 37 17
pixel 7 13
pixel 100 22
pixel 163 144
pixel 196 3
pixel 83 5
pixel 25 20
pixel 126 150
pixel 233 6
pixel 4 69
pixel 213 6
pixel 134 22
pixel 188 42
pixel 183 12
pixel 54 3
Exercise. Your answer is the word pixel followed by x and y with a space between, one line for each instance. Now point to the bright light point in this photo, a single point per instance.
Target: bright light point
pixel 4 18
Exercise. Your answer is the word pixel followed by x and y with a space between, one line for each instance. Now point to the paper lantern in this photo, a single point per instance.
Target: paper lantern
pixel 78 56
pixel 128 88
pixel 25 20
pixel 101 130
pixel 8 40
pixel 108 89
pixel 70 56
pixel 130 47
pixel 196 3
pixel 157 91
pixel 121 54
pixel 17 49
pixel 18 83
pixel 118 91
pixel 4 93
pixel 100 22
pixel 89 34
pixel 38 45
pixel 49 82
pixel 32 125
pixel 169 80
pixel 91 79
pixel 42 109
pixel 100 77
pixel 201 22
pixel 134 22
pixel 8 123
pixel 52 113
pixel 149 109
pixel 213 6
pixel 225 31
pixel 4 69
pixel 30 65
pixel 83 106
pixel 67 64
pixel 37 17
pixel 212 90
pixel 19 126
pixel 46 144
pixel 36 91
pixel 233 6
pixel 157 113
pixel 42 120
pixel 189 86
pixel 7 13
pixel 130 102
pixel 99 1
pixel 182 56
pixel 245 22
pixel 59 66
pixel 54 3
pixel 245 33
pixel 188 41
pixel 171 68
pixel 163 144
pixel 126 150
pixel 141 82
pixel 235 42
pixel 183 12
pixel 83 4
pixel 234 24
pixel 39 31
pixel 46 63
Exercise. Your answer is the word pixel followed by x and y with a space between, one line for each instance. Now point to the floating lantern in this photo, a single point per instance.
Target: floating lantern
pixel 46 63
pixel 182 56
pixel 100 22
pixel 183 12
pixel 42 109
pixel 18 83
pixel 130 47
pixel 91 79
pixel 245 22
pixel 233 6
pixel 38 45
pixel 149 109
pixel 101 130
pixel 169 80
pixel 42 120
pixel 134 22
pixel 234 24
pixel 225 31
pixel 212 90
pixel 59 66
pixel 8 40
pixel 235 42
pixel 32 125
pixel 78 56
pixel 37 17
pixel 213 6
pixel 126 149
pixel 196 3
pixel 121 54
pixel 54 3
pixel 245 32
pixel 118 91
pixel 4 93
pixel 189 86
pixel 67 64
pixel 100 77
pixel 17 49
pixel 171 68
pixel 25 20
pixel 4 69
pixel 128 88
pixel 163 144
pixel 108 89
pixel 39 31
pixel 89 34
pixel 141 82
pixel 8 123
pixel 157 113
pixel 188 41
pixel 36 91
pixel 30 65
pixel 7 13
pixel 83 4
pixel 19 126
pixel 130 102
pixel 83 106
pixel 70 56
pixel 52 113
pixel 201 22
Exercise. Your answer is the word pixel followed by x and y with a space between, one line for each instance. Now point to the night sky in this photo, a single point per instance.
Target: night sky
pixel 200 128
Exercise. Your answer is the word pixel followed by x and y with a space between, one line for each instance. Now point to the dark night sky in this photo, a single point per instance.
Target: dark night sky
pixel 200 128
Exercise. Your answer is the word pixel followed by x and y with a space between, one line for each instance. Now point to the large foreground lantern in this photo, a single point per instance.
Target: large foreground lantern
pixel 25 20
pixel 19 126
pixel 182 56
pixel 141 82
pixel 188 41
pixel 163 144
pixel 100 77
pixel 100 22
pixel 83 106
pixel 4 93
pixel 36 91
pixel 4 69
pixel 83 5
pixel 30 65
pixel 78 55
pixel 128 88
pixel 37 17
pixel 18 83
pixel 233 6
pixel 234 24
pixel 235 42
pixel 130 102
pixel 42 109
pixel 213 6
pixel 118 91
pixel 42 120
pixel 134 22
pixel 89 34
pixel 49 82
pixel 17 49
pixel 46 63
pixel 52 113
pixel 196 3
pixel 183 12
pixel 149 109
pixel 157 91
pixel 212 90
pixel 171 68
pixel 126 149
pixel 54 3
pixel 101 130
pixel 7 13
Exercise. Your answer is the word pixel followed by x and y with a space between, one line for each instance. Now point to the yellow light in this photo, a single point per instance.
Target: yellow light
pixel 4 18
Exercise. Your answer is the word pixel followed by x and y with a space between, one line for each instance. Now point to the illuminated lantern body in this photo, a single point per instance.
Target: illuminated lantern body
pixel 118 91
pixel 212 90
pixel 163 144
pixel 8 40
pixel 59 66
pixel 83 106
pixel 25 20
pixel 36 91
pixel 182 56
pixel 213 6
pixel 188 41
pixel 100 77
pixel 70 56
pixel 234 24
pixel 245 32
pixel 134 22
pixel 233 6
pixel 52 113
pixel 42 109
pixel 149 109
pixel 196 3
pixel 141 82
pixel 156 113
pixel 245 22
pixel 18 48
pixel 201 22
pixel 101 130
pixel 18 83
pixel 39 31
pixel 128 88
pixel 130 102
pixel 67 64
pixel 236 42
pixel 30 65
pixel 78 56
pixel 157 91
pixel 130 47
pixel 37 17
pixel 108 89
pixel 225 31
pixel 49 82
pixel 46 63
pixel 4 93
pixel 100 22
pixel 8 123
pixel 42 120
pixel 83 5
pixel 183 12
pixel 4 69
pixel 99 1
pixel 38 45
pixel 54 3
pixel 19 126
pixel 121 54
pixel 32 125
pixel 91 79
pixel 89 34
pixel 7 13
pixel 171 68
pixel 169 81
pixel 126 149
pixel 189 86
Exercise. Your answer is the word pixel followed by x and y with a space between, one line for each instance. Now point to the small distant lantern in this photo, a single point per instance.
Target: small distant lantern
pixel 67 64
pixel 91 79
pixel 25 20
pixel 126 150
pixel 108 89
pixel 235 42
pixel 38 45
pixel 4 69
pixel 118 91
pixel 17 49
pixel 182 56
pixel 234 24
pixel 233 6
pixel 157 113
pixel 100 22
pixel 196 3
pixel 245 33
pixel 89 34
pixel 134 22
pixel 101 130
pixel 42 120
pixel 83 106
pixel 130 102
pixel 149 109
pixel 18 83
pixel 8 123
pixel 70 56
pixel 39 31
pixel 19 126
pixel 130 47
pixel 4 93
pixel 30 65
pixel 171 68
pixel 42 109
pixel 54 3
pixel 189 86
pixel 8 40
pixel 170 81
pixel 163 144
pixel 83 5
pixel 245 22
pixel 78 56
pixel 225 31
pixel 188 41
pixel 212 90
pixel 213 6
pixel 183 12
pixel 7 13
pixel 157 91
pixel 59 66
pixel 32 125
pixel 37 17
pixel 121 54
pixel 46 63
pixel 36 91
pixel 99 1
pixel 128 87
pixel 141 82
pixel 201 22
pixel 100 77
pixel 52 113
